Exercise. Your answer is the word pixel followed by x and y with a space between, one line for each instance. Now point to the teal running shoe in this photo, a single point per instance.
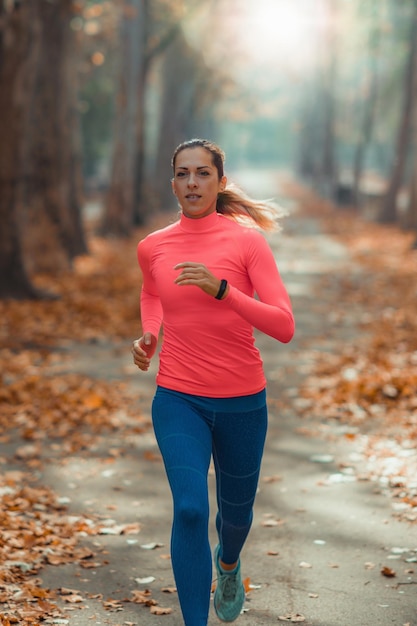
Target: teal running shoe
pixel 230 592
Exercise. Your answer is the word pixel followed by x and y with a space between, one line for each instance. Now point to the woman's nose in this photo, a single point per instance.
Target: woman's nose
pixel 192 181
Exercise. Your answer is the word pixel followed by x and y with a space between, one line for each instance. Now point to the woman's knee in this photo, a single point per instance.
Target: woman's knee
pixel 191 514
pixel 235 521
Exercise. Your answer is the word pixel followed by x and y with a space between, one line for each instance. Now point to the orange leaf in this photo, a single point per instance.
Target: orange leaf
pixel 388 572
pixel 149 455
pixel 93 401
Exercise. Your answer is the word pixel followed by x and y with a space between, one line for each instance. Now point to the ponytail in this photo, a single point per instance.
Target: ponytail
pixel 234 203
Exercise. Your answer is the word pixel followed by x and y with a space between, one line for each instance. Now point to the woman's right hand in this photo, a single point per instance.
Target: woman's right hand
pixel 143 350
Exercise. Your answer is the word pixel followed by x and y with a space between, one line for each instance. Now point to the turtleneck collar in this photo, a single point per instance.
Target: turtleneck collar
pixel 200 224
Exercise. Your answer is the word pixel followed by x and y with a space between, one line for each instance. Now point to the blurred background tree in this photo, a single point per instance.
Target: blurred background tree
pixel 96 94
pixel 40 153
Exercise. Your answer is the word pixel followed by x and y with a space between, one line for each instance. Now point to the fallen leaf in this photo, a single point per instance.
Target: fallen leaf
pixel 272 479
pixel 113 605
pixel 145 581
pixel 143 597
pixel 322 458
pixel 84 553
pixel 93 400
pixel 149 455
pixel 120 529
pixel 292 617
pixel 28 452
pixel 54 559
pixel 388 572
pixel 90 564
pixel 64 591
pixel 73 598
pixel 270 523
pixel 252 586
pixel 159 610
pixel 151 546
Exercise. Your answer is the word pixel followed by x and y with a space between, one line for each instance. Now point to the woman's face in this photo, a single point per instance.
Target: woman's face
pixel 196 182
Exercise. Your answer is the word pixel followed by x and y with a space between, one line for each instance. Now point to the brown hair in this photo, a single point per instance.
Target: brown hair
pixel 233 202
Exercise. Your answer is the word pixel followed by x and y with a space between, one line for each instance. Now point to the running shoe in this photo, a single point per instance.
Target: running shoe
pixel 230 592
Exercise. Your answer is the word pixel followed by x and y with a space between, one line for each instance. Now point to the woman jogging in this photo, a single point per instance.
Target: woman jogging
pixel 200 276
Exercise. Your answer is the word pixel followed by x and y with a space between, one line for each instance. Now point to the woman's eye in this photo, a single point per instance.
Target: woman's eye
pixel 204 173
pixel 180 174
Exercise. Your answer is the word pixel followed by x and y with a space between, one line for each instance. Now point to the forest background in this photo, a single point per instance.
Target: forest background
pixel 95 95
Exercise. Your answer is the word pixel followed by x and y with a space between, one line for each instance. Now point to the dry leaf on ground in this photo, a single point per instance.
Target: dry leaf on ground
pixel 292 617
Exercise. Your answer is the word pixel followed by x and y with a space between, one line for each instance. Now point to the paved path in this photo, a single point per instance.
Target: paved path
pixel 319 538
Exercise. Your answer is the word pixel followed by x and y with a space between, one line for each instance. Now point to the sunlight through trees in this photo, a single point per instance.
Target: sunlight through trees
pixel 95 94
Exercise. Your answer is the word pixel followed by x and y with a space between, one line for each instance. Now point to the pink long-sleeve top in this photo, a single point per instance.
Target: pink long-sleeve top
pixel 208 346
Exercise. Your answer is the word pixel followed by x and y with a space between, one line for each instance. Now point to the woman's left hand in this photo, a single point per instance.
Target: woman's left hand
pixel 197 274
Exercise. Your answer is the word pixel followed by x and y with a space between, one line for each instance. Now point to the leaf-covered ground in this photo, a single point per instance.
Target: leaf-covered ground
pixel 46 416
pixel 370 383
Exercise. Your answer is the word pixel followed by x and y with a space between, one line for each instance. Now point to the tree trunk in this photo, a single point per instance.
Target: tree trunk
pixel 410 221
pixel 317 137
pixel 307 137
pixel 368 120
pixel 388 212
pixel 119 210
pixel 53 233
pixel 15 53
pixel 70 147
pixel 139 193
pixel 142 195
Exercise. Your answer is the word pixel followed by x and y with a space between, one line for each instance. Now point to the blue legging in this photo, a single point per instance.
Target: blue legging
pixel 189 430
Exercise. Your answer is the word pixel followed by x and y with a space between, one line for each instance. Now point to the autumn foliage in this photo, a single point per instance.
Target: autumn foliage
pixel 49 412
pixel 369 384
pixel 96 301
